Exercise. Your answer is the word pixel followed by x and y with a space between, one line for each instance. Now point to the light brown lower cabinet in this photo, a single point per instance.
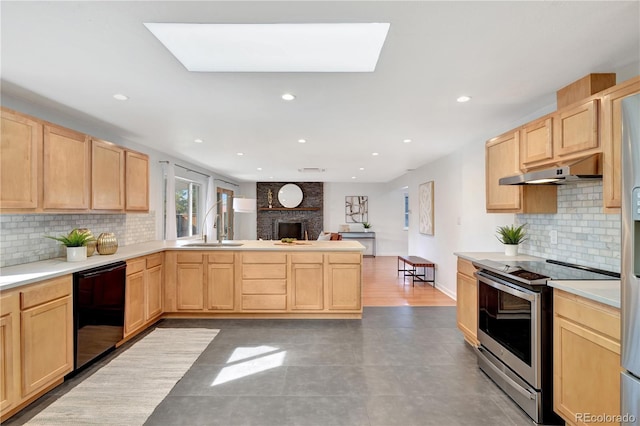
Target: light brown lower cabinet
pixel 344 275
pixel 143 293
pixel 586 358
pixel 307 282
pixel 10 351
pixel 467 301
pixel 263 283
pixel 36 338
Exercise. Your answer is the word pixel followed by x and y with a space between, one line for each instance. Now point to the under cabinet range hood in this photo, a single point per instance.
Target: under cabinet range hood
pixel 586 168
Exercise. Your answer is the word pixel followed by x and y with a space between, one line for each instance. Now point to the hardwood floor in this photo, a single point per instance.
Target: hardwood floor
pixel 383 287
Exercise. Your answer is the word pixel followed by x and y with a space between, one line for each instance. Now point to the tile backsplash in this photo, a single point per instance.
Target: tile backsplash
pixel 586 235
pixel 22 235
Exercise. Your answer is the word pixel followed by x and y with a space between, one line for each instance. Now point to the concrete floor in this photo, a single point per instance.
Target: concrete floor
pixel 397 366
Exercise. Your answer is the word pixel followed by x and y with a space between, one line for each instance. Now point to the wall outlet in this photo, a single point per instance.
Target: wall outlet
pixel 553 236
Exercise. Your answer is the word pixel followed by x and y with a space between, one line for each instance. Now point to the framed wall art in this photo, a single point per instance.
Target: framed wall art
pixel 356 208
pixel 425 208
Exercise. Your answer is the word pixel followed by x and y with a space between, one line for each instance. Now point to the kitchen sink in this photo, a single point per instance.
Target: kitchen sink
pixel 223 244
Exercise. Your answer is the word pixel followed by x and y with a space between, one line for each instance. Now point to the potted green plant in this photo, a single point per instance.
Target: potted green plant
pixel 76 244
pixel 511 236
pixel 366 226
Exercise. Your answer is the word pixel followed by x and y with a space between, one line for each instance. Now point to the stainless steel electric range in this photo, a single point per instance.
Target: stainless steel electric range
pixel 515 328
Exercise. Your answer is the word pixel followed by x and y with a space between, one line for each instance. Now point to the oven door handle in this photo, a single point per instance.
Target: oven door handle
pixel 515 385
pixel 522 294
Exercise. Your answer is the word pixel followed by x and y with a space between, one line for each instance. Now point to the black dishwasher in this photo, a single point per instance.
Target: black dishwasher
pixel 98 311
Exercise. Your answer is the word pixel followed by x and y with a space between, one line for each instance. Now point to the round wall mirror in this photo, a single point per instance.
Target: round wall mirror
pixel 290 195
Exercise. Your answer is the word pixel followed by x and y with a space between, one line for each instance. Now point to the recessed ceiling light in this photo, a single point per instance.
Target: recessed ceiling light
pixel 259 168
pixel 361 168
pixel 353 177
pixel 120 97
pixel 462 99
pixel 198 140
pixel 407 141
pixel 374 154
pixel 302 141
pixel 288 97
pixel 241 153
pixel 317 47
pixel 270 177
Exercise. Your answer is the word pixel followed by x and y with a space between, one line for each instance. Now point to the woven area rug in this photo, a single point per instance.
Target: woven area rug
pixel 130 387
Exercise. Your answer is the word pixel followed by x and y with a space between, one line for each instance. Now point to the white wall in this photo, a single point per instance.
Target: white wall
pixel 461 222
pixel 386 213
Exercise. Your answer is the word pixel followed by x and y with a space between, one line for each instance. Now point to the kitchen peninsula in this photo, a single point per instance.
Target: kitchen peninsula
pixel 260 279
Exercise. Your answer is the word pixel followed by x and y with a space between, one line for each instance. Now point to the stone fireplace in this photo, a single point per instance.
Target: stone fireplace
pixel 279 222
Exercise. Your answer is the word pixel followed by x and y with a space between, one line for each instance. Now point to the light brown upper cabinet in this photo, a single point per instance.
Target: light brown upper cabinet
pixel 107 176
pixel 536 143
pixel 66 169
pixel 137 181
pixel 502 160
pixel 612 141
pixel 20 153
pixel 575 130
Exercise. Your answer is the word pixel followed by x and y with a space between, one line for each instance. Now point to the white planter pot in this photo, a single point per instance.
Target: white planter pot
pixel 511 249
pixel 76 254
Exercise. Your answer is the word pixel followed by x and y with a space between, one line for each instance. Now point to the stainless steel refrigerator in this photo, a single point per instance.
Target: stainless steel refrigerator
pixel 630 376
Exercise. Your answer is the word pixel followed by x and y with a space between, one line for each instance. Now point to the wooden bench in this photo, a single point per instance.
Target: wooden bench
pixel 410 268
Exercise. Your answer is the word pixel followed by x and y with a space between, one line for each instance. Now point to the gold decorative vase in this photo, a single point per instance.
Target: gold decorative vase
pixel 91 245
pixel 107 243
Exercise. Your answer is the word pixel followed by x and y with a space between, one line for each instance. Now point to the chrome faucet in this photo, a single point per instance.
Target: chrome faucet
pixel 215 222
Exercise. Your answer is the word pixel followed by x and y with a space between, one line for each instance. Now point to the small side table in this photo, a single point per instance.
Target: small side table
pixel 361 236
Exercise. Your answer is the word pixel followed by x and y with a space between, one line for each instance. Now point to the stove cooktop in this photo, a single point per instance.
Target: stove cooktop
pixel 539 272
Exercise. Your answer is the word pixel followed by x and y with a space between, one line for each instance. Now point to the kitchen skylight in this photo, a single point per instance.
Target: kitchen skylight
pixel 343 47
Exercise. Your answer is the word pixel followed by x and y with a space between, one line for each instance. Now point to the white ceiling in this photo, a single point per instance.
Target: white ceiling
pixel 510 57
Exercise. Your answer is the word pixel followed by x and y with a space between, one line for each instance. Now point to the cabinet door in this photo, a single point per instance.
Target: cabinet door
pixel 66 169
pixel 467 307
pixel 107 176
pixel 153 296
pixel 190 286
pixel 137 182
pixel 502 160
pixel 134 306
pixel 536 143
pixel 9 351
pixel 586 351
pixel 20 152
pixel 344 286
pixel 586 370
pixel 576 130
pixel 612 143
pixel 220 286
pixel 306 286
pixel 46 343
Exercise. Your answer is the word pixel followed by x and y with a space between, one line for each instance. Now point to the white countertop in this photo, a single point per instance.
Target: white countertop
pixel 495 256
pixel 607 292
pixel 14 276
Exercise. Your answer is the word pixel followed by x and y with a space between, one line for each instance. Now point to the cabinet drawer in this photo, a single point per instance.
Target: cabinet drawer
pixel 154 260
pixel 264 302
pixel 264 271
pixel 135 265
pixel 264 287
pixel 189 257
pixel 466 267
pixel 47 291
pixel 306 258
pixel 344 258
pixel 264 258
pixel 221 258
pixel 602 318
